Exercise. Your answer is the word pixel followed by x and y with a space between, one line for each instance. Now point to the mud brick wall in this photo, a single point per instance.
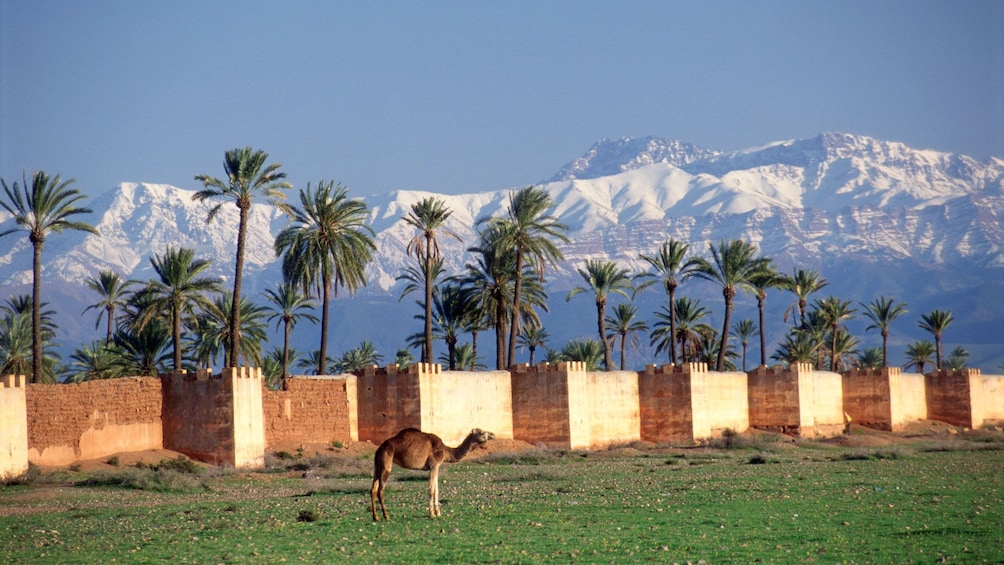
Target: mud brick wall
pixel 71 422
pixel 991 409
pixel 665 410
pixel 950 396
pixel 13 427
pixel 884 398
pixel 216 418
pixel 614 412
pixel 549 405
pixel 455 402
pixel 389 400
pixel 720 401
pixel 312 409
pixel 774 398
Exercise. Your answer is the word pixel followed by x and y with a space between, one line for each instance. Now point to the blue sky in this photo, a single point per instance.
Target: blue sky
pixel 467 96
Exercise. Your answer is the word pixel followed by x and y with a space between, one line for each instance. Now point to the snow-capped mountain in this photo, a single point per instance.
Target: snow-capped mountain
pixel 875 217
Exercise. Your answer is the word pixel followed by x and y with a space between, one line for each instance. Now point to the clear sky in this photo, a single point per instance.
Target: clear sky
pixel 470 96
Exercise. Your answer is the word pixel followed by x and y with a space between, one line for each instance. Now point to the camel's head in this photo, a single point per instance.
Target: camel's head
pixel 481 436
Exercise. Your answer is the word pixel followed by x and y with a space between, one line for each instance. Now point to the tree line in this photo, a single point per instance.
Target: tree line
pixel 183 319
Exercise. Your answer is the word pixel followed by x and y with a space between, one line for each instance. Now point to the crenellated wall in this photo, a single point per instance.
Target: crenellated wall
pixel 884 398
pixel 13 427
pixel 216 418
pixel 796 400
pixel 687 403
pixel 965 397
pixel 72 422
pixel 448 404
pixel 312 409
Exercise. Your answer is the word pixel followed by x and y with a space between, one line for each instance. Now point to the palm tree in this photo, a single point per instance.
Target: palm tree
pixel 744 330
pixel 669 267
pixel 918 355
pixel 957 358
pixel 762 281
pixel 803 283
pixel 247 177
pixel 936 322
pixel 356 359
pixel 465 357
pixel 93 362
pixel 588 351
pixel 43 207
pixel 212 332
pixel 428 216
pixel 15 343
pixel 846 347
pixel 834 313
pixel 289 306
pixel 489 278
pixel 733 266
pixel 882 311
pixel 871 358
pixel 603 278
pixel 326 246
pixel 533 337
pixel 144 351
pixel 113 291
pixel 313 361
pixel 450 318
pixel 797 347
pixel 688 314
pixel 178 291
pixel 623 323
pixel 529 233
pixel 403 358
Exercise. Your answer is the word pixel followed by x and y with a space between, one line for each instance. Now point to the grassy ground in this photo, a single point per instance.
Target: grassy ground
pixel 929 499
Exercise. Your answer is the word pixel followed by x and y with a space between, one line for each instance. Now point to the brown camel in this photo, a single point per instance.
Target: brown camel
pixel 415 449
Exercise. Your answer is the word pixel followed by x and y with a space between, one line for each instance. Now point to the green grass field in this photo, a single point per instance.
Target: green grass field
pixel 765 499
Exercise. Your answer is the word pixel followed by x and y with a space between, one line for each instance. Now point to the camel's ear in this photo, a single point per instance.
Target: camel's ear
pixel 476 431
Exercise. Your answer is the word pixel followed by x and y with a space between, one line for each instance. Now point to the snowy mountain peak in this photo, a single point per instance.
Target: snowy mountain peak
pixel 613 156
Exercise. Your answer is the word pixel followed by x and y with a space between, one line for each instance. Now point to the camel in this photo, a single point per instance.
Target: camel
pixel 415 449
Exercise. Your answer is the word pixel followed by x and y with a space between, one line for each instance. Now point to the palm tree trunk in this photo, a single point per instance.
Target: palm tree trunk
pixel 427 346
pixel 36 310
pixel 601 306
pixel 937 351
pixel 322 357
pixel 235 308
pixel 514 324
pixel 672 325
pixel 474 349
pixel 110 310
pixel 532 349
pixel 763 339
pixel 885 347
pixel 176 335
pixel 623 339
pixel 499 335
pixel 285 353
pixel 729 294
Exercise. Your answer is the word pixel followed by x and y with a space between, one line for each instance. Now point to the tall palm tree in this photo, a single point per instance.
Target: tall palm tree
pixel 530 233
pixel 588 351
pixel 689 327
pixel 936 321
pixel 326 246
pixel 46 205
pixel 178 291
pixel 834 313
pixel 603 278
pixel 669 267
pixel 112 291
pixel 490 277
pixel 882 311
pixel 532 338
pixel 733 266
pixel 764 280
pixel 623 322
pixel 247 177
pixel 450 318
pixel 212 332
pixel 803 283
pixel 289 306
pixel 918 355
pixel 428 216
pixel 744 330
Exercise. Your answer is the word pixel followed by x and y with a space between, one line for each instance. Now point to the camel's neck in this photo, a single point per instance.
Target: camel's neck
pixel 461 451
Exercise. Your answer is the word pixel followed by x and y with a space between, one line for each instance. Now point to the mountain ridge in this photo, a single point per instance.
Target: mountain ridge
pixel 931 217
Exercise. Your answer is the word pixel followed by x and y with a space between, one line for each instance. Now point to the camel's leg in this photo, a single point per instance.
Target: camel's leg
pixel 373 499
pixel 434 509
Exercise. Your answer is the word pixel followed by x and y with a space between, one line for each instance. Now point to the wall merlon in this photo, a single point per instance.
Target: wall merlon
pixel 13 381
